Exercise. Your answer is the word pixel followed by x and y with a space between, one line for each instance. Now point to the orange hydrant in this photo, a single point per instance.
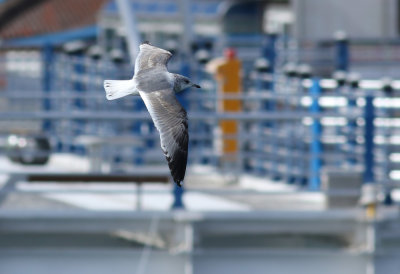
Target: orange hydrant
pixel 227 72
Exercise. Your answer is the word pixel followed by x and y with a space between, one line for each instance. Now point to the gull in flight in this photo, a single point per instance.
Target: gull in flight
pixel 157 87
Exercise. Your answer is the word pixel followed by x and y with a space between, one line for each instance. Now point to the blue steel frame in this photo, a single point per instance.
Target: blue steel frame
pixel 79 87
pixel 47 57
pixel 342 54
pixel 269 53
pixel 269 50
pixel 316 131
pixel 369 129
pixel 352 126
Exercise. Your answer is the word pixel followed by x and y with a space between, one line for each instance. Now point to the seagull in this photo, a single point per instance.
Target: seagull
pixel 157 87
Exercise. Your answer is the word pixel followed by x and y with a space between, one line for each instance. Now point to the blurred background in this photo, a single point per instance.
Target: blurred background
pixel 294 153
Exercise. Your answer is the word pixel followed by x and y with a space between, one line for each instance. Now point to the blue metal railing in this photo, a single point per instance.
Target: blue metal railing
pixel 288 134
pixel 316 133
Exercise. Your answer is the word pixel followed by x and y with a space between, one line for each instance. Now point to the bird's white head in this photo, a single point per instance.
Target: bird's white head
pixel 181 82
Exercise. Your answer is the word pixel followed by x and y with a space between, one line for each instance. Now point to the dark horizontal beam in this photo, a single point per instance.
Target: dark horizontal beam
pixel 98 178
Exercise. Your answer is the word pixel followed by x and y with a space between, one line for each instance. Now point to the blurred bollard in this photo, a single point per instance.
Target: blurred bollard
pixel 369 200
pixel 178 197
pixel 227 73
pixel 316 132
pixel 342 51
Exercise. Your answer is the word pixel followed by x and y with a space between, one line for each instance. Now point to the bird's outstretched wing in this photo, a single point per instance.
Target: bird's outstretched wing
pixel 170 119
pixel 151 56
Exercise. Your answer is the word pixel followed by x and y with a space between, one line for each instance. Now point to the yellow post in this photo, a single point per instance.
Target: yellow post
pixel 369 199
pixel 227 73
pixel 371 211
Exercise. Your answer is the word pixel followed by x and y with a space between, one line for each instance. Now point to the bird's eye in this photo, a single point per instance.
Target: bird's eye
pixel 186 82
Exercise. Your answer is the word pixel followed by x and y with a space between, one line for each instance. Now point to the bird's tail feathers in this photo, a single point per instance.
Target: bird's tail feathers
pixel 119 88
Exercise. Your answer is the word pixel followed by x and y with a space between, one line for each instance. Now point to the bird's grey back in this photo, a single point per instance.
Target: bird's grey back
pixel 152 80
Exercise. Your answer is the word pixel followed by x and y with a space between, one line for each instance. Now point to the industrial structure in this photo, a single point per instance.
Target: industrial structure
pixel 313 175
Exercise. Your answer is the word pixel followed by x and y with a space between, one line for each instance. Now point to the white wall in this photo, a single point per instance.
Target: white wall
pixel 316 19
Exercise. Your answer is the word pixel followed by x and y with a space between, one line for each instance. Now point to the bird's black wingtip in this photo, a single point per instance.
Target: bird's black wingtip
pixel 146 43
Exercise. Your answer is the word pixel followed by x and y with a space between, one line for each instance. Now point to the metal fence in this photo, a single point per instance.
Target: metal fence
pixel 291 128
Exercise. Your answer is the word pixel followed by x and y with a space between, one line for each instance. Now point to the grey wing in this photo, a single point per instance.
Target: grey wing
pixel 170 119
pixel 151 56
